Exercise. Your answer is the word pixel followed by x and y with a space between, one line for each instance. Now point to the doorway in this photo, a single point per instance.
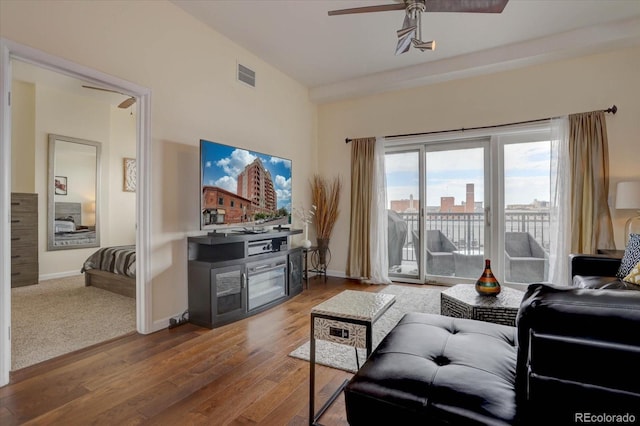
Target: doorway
pixel 11 51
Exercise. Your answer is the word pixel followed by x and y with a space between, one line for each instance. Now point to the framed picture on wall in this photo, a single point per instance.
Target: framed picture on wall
pixel 61 185
pixel 129 178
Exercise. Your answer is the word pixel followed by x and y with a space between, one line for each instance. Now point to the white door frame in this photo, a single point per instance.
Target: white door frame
pixel 11 50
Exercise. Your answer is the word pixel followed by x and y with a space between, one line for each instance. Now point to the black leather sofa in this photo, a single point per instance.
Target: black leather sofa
pixel 570 358
pixel 597 271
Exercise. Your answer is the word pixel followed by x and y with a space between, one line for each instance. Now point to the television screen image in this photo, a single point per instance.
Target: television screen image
pixel 242 188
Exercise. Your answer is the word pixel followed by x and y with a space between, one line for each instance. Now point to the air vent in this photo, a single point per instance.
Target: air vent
pixel 246 75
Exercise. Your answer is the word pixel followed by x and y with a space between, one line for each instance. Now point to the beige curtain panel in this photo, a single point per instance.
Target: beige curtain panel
pixel 591 227
pixel 362 162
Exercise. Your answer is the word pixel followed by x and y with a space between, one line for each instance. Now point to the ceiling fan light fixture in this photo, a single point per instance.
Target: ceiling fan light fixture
pixel 404 31
pixel 411 32
pixel 414 8
pixel 424 45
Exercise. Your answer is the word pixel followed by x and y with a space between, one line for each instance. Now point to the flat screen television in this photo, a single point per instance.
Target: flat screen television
pixel 242 188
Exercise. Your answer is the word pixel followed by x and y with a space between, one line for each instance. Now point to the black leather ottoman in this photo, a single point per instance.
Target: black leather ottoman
pixel 462 372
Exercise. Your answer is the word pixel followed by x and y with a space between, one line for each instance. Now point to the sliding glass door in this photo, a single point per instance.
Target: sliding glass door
pixel 454 221
pixel 436 196
pixel 403 192
pixel 454 203
pixel 526 210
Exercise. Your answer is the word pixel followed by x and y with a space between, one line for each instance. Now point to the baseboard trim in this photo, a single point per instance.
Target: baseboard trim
pixel 337 274
pixel 53 276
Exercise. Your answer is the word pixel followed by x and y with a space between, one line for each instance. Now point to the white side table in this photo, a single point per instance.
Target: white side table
pixel 346 318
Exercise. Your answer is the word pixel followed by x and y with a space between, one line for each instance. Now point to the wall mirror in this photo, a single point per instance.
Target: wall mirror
pixel 73 193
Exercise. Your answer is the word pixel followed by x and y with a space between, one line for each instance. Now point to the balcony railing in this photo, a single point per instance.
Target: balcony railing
pixel 466 230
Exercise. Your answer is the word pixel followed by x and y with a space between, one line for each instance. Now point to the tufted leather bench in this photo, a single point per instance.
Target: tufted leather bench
pixel 572 353
pixel 436 368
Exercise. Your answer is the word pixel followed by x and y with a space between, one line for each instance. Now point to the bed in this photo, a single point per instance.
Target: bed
pixel 67 228
pixel 112 269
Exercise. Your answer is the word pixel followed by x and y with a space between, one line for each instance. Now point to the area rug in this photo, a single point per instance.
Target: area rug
pixel 59 316
pixel 408 299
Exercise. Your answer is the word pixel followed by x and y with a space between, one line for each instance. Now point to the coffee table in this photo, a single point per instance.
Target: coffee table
pixel 462 301
pixel 346 318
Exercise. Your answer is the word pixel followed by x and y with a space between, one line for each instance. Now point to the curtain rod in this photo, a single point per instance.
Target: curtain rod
pixel 611 110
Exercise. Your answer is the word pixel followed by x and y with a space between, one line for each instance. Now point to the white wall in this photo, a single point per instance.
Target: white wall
pixel 23 137
pixel 190 70
pixel 579 85
pixel 122 205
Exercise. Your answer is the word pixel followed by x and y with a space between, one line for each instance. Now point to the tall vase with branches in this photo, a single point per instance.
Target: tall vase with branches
pixel 325 195
pixel 306 217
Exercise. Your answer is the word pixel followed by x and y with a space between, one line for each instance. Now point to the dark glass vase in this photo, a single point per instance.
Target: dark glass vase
pixel 323 246
pixel 487 284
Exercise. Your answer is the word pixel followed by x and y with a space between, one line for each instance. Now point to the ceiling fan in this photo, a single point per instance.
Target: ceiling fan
pixel 411 31
pixel 124 104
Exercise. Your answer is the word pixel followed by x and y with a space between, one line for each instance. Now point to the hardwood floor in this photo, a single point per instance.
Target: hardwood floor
pixel 238 374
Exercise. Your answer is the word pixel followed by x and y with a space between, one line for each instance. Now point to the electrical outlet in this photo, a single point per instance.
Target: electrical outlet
pixel 174 322
pixel 339 332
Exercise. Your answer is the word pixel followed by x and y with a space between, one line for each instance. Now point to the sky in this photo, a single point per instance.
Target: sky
pixel 526 174
pixel 221 164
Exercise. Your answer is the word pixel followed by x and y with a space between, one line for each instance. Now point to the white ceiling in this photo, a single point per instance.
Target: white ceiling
pixel 29 73
pixel 352 55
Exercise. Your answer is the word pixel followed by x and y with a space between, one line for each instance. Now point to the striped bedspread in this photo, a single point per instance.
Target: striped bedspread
pixel 119 260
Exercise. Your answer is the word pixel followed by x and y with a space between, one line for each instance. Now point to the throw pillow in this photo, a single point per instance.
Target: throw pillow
pixel 634 275
pixel 631 256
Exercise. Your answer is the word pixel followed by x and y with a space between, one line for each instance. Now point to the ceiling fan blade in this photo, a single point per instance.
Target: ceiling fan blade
pixel 127 102
pixel 366 9
pixel 469 6
pixel 406 34
pixel 403 32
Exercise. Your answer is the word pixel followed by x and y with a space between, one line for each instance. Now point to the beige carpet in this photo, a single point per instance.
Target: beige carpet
pixel 59 316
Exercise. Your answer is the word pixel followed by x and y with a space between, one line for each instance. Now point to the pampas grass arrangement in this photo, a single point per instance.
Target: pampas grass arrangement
pixel 325 195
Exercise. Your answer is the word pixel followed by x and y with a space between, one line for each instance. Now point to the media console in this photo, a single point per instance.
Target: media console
pixel 237 273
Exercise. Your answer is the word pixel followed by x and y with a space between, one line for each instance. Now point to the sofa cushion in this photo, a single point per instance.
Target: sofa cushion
pixel 463 373
pixel 594 281
pixel 634 275
pixel 631 256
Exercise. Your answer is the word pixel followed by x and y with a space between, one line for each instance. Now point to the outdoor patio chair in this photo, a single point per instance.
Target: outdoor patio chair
pixel 468 264
pixel 397 235
pixel 525 259
pixel 415 240
pixel 439 253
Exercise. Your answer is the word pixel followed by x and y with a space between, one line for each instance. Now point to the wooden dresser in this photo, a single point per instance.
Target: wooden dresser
pixel 24 239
